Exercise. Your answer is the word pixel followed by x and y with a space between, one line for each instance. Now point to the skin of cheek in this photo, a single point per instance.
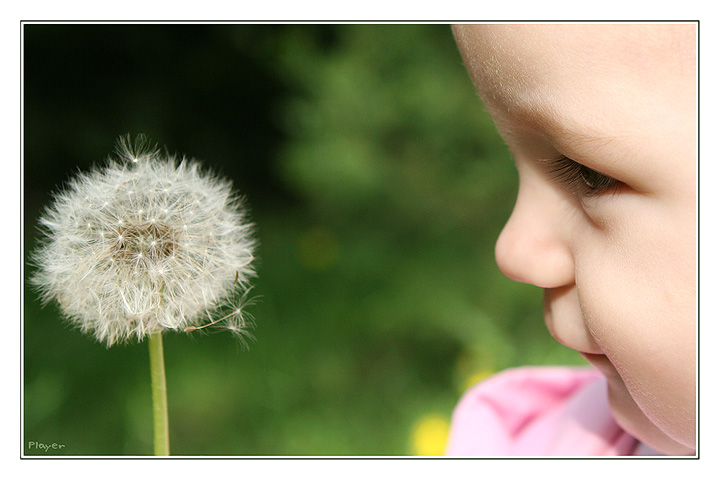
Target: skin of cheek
pixel 632 281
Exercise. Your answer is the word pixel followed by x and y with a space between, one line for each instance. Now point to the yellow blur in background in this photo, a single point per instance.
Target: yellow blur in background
pixel 430 435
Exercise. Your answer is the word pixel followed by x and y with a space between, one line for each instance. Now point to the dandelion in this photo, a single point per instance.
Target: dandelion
pixel 145 244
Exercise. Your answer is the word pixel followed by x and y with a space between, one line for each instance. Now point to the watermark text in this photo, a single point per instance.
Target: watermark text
pixel 46 447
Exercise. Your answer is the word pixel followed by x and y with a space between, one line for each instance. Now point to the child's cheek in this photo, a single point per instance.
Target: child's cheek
pixel 641 255
pixel 632 276
pixel 645 237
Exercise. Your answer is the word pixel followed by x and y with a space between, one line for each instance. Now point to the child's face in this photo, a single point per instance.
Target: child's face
pixel 611 237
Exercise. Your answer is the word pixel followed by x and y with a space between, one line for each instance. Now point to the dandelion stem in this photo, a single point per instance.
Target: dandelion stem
pixel 159 395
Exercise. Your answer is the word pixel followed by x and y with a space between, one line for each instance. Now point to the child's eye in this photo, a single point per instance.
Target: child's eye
pixel 579 179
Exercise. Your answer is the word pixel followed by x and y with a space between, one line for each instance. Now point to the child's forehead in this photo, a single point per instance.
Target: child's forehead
pixel 531 69
pixel 611 44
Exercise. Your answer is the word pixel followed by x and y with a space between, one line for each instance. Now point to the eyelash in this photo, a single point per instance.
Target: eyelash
pixel 579 179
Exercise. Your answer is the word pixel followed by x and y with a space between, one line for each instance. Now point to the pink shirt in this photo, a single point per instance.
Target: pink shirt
pixel 539 411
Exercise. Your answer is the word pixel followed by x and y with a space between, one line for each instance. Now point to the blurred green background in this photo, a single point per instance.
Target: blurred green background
pixel 378 185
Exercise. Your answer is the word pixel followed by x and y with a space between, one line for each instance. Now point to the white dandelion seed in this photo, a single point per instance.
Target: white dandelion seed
pixel 146 243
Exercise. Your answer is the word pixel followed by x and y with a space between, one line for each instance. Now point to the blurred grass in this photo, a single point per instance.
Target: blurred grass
pixel 378 185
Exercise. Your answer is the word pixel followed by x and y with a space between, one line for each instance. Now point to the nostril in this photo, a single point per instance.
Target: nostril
pixel 530 251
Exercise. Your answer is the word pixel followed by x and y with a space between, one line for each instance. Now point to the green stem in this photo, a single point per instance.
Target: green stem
pixel 159 395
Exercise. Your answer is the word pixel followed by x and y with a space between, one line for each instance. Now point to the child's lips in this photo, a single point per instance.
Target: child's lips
pixel 602 363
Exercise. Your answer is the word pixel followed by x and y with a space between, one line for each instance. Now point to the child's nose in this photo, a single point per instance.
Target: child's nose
pixel 532 248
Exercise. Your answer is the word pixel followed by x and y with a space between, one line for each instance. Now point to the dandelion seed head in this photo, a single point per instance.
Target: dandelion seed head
pixel 145 243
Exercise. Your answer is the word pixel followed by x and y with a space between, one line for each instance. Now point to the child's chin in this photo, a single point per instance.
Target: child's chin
pixel 632 419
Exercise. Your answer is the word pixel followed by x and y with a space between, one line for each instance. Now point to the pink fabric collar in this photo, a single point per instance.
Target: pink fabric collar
pixel 539 411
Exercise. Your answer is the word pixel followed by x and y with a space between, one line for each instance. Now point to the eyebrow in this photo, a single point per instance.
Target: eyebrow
pixel 578 139
pixel 538 116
